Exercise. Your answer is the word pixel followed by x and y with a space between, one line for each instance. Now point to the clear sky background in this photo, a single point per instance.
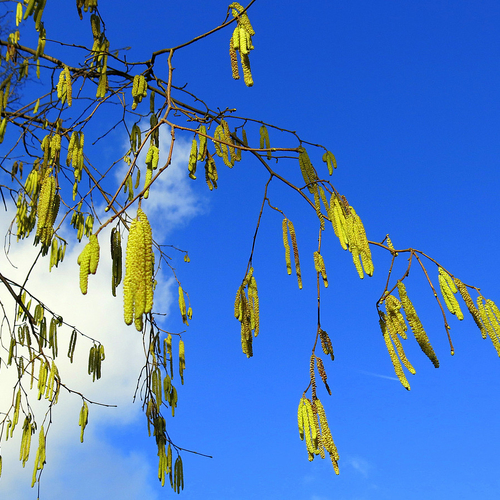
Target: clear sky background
pixel 406 96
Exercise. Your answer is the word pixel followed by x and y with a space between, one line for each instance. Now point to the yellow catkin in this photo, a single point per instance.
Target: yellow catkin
pixel 152 158
pixel 353 244
pixel 148 263
pixel 391 246
pixel 84 263
pixel 241 40
pixel 362 243
pixel 202 151
pixel 293 237
pixel 319 265
pixel 222 134
pixel 247 72
pixel 264 140
pixel 393 308
pixel 192 159
pixel 69 91
pixel 287 247
pixel 317 206
pixel 300 419
pixel 64 89
pixel 326 343
pixel 309 428
pixel 493 314
pixel 416 325
pixel 55 148
pixel 246 310
pixel 322 373
pixel 237 305
pixel 26 440
pixel 234 60
pixel 48 206
pixel 218 136
pixel 40 458
pixel 83 420
pixel 135 85
pixel 330 161
pixel 392 353
pixel 490 322
pixel 140 277
pixel 319 447
pixel 229 140
pixel 337 217
pixel 138 281
pixel 243 18
pixel 396 325
pixel 482 315
pixel 182 305
pixel 448 290
pixel 253 297
pixel 308 172
pixel 327 436
pixel 94 254
pixel 470 305
pixel 211 175
pixel 246 331
pixel 182 360
pixel 326 204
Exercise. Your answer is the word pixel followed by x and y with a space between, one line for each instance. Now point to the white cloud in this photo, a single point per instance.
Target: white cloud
pixel 172 200
pixel 72 469
pixel 100 316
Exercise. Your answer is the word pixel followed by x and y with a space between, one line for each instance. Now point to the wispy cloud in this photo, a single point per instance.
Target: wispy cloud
pixel 378 375
pixel 360 465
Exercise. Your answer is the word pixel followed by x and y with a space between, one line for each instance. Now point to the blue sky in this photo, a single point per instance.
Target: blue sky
pixel 406 96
